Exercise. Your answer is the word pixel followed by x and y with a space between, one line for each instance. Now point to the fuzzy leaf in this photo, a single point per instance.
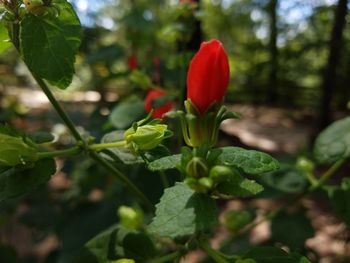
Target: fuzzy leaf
pixel 333 143
pixel 165 163
pixel 250 161
pixel 182 212
pixel 127 112
pixel 237 186
pixel 14 151
pixel 115 243
pixel 273 255
pixel 21 180
pixel 340 199
pixel 119 154
pixel 299 230
pixel 5 44
pixel 49 43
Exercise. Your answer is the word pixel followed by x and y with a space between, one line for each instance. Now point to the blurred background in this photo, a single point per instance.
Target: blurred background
pixel 284 55
pixel 290 78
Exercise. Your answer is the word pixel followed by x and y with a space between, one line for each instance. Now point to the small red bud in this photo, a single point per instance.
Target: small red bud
pixel 160 111
pixel 208 76
pixel 132 62
pixel 156 61
pixel 187 1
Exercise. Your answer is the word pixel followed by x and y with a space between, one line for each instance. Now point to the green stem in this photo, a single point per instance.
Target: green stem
pixel 102 146
pixel 166 258
pixel 62 153
pixel 65 118
pixel 164 179
pixel 216 255
pixel 328 174
pixel 320 183
pixel 95 156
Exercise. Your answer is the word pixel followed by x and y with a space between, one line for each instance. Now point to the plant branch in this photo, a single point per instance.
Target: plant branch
pixel 164 179
pixel 65 118
pixel 328 174
pixel 103 146
pixel 166 258
pixel 61 153
pixel 320 183
pixel 95 156
pixel 60 111
pixel 216 255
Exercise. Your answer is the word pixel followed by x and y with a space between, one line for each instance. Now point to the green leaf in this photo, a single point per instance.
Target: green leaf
pixel 120 154
pixel 299 230
pixel 340 199
pixel 183 212
pixel 8 254
pixel 237 186
pixel 127 112
pixel 50 42
pixel 14 151
pixel 273 255
pixel 165 163
pixel 250 161
pixel 116 243
pixel 42 137
pixel 21 180
pixel 333 143
pixel 235 220
pixel 287 179
pixel 5 44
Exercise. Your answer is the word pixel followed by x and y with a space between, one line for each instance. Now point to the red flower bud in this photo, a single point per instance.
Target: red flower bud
pixel 132 62
pixel 156 61
pixel 187 1
pixel 208 76
pixel 160 111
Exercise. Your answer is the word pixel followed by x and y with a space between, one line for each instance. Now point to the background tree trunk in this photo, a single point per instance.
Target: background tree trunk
pixel 329 75
pixel 197 36
pixel 272 94
pixel 192 45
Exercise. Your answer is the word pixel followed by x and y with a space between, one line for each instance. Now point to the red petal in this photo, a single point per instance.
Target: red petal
pixel 208 75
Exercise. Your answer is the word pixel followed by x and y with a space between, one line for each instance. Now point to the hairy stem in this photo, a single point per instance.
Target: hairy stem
pixel 319 184
pixel 216 255
pixel 60 111
pixel 166 258
pixel 95 156
pixel 164 179
pixel 103 146
pixel 61 153
pixel 328 174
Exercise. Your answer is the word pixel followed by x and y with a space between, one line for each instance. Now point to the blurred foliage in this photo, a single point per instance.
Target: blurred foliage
pixel 155 32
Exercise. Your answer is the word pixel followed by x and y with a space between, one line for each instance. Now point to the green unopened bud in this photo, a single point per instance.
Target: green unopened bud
pixel 36 7
pixel 219 173
pixel 236 220
pixel 197 167
pixel 191 182
pixel 15 150
pixel 247 260
pixel 206 183
pixel 123 260
pixel 146 137
pixel 130 218
pixel 203 185
pixel 305 165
